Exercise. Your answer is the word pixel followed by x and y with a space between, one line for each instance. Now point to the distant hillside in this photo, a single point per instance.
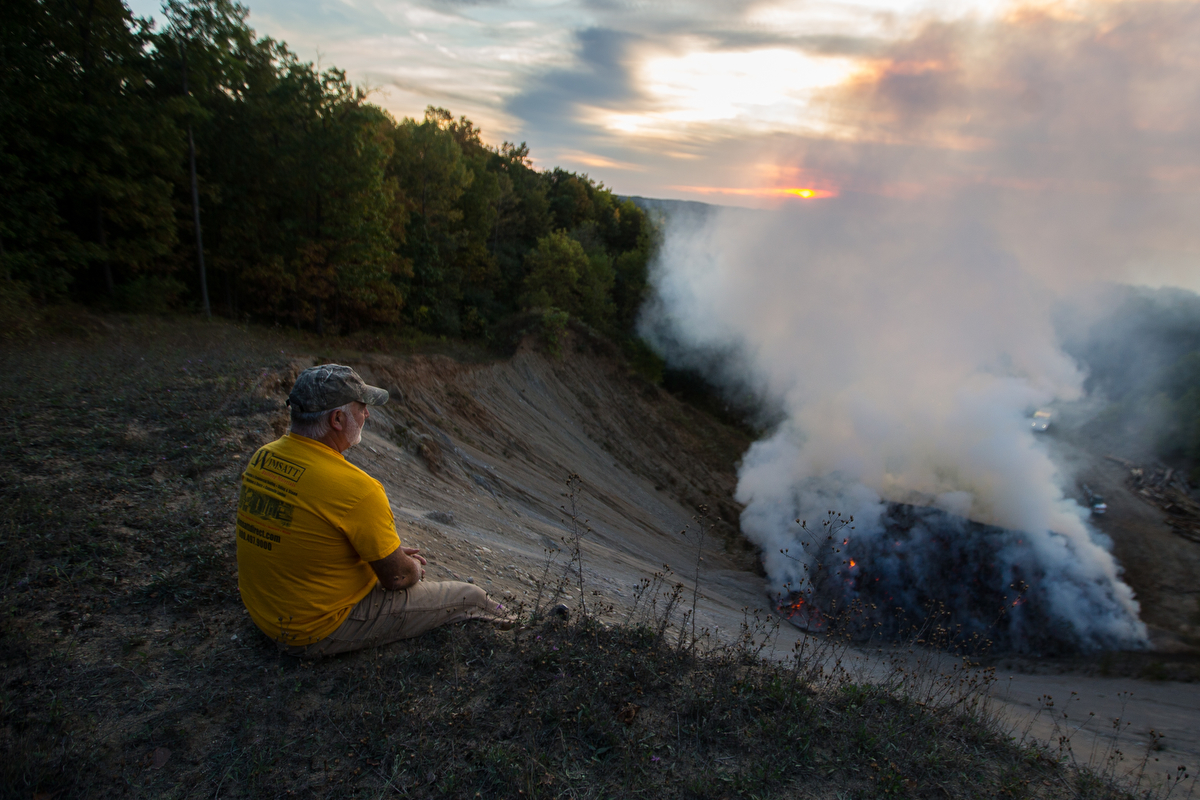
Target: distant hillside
pixel 658 209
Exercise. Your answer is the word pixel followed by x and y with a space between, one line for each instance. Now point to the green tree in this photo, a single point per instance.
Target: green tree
pixel 432 177
pixel 130 158
pixel 351 207
pixel 522 217
pixel 636 240
pixel 207 37
pixel 561 275
pixel 88 157
pixel 301 218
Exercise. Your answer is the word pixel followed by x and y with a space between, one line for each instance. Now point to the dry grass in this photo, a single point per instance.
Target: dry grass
pixel 130 669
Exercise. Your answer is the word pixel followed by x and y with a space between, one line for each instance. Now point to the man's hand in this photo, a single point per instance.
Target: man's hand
pixel 400 570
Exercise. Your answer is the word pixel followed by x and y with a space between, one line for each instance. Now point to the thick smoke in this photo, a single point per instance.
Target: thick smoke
pixel 906 339
pixel 906 350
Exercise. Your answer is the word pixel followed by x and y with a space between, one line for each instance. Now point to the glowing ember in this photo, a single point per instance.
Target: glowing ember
pixel 803 615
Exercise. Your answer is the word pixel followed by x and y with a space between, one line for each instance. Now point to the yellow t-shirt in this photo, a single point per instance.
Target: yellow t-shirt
pixel 308 522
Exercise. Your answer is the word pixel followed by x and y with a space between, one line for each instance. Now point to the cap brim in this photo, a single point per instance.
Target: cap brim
pixel 374 396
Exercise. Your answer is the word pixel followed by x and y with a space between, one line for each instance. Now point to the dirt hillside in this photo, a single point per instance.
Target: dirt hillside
pixel 120 479
pixel 476 457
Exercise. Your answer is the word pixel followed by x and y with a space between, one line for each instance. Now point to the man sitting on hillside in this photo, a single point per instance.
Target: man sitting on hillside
pixel 320 566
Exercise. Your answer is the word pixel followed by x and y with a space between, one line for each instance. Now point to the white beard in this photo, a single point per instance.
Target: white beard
pixel 354 431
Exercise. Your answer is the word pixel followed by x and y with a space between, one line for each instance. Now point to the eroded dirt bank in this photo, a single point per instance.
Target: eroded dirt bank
pixel 476 459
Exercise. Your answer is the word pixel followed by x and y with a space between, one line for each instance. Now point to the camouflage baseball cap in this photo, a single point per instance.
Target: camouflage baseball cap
pixel 329 386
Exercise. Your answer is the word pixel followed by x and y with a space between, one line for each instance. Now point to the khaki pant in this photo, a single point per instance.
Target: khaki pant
pixel 382 616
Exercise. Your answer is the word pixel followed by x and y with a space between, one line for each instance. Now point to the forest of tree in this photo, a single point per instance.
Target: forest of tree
pixel 1142 356
pixel 316 208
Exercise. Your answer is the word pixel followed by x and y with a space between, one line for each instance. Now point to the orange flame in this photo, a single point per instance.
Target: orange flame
pixel 791 609
pixel 852 562
pixel 804 615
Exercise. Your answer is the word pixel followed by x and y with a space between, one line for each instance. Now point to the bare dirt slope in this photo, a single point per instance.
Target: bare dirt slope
pixel 475 458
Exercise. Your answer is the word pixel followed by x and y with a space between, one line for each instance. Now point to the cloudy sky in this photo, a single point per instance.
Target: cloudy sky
pixel 764 102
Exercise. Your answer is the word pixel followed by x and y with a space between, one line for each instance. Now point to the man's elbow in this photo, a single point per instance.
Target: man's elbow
pixel 397 572
pixel 404 578
pixel 398 583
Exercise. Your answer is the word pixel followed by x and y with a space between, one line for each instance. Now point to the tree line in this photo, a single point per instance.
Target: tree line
pixel 1142 355
pixel 201 165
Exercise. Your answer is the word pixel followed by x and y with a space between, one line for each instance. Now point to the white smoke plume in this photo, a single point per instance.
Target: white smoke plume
pixel 905 335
